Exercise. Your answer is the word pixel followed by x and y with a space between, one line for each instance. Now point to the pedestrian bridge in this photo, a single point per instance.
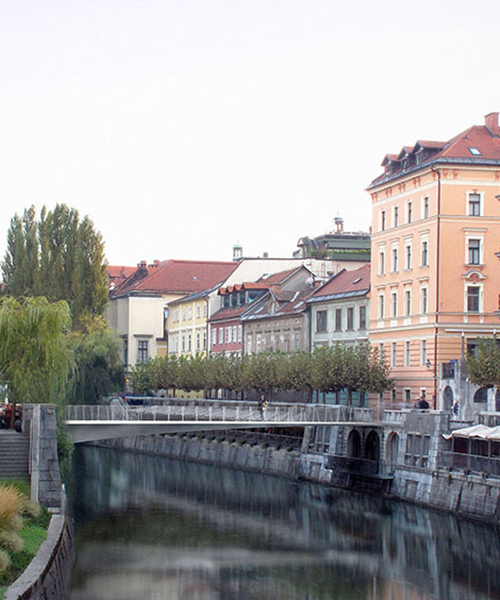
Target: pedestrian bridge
pixel 91 423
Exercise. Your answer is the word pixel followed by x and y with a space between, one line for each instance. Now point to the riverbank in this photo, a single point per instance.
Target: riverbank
pixel 457 492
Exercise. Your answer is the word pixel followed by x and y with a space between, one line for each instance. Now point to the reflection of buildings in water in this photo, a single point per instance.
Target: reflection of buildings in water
pixel 437 554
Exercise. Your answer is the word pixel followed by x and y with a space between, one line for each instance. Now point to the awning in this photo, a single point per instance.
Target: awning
pixel 476 431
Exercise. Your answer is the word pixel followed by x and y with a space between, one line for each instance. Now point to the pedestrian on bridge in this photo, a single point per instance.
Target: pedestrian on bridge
pixel 262 406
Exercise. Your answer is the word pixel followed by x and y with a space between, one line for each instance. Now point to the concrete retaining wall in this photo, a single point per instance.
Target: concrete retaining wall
pixel 48 575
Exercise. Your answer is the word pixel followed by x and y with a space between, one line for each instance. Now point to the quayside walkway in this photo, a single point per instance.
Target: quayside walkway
pixel 90 423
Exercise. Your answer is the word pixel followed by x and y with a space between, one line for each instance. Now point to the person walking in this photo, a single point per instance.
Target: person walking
pixel 262 406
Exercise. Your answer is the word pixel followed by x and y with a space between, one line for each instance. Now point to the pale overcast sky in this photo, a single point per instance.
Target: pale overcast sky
pixel 183 126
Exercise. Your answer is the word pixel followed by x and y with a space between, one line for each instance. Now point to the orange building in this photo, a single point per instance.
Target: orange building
pixel 435 278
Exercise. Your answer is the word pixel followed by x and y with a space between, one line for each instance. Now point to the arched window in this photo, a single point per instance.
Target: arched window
pixel 372 446
pixel 481 395
pixel 354 444
pixel 447 398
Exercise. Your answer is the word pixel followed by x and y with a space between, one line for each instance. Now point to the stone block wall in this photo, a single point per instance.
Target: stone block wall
pixel 48 575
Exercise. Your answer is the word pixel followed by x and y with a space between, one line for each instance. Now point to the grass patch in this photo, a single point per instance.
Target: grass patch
pixel 22 530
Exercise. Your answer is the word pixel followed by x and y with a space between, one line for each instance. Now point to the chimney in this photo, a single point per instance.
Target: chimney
pixel 491 122
pixel 156 264
pixel 142 264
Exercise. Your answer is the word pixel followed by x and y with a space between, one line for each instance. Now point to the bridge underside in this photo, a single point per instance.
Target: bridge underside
pixel 91 431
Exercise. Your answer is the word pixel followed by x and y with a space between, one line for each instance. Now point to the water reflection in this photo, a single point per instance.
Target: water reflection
pixel 155 528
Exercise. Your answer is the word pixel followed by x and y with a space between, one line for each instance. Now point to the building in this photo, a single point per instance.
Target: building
pixel 340 309
pixel 139 306
pixel 435 280
pixel 226 325
pixel 279 320
pixel 352 248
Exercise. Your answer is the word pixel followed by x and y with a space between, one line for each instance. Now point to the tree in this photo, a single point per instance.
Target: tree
pixel 483 368
pixel 35 359
pixel 60 256
pixel 99 369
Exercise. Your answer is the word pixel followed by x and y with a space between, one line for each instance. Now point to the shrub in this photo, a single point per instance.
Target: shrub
pixel 11 501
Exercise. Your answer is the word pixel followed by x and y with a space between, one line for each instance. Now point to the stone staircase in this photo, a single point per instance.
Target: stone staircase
pixel 14 455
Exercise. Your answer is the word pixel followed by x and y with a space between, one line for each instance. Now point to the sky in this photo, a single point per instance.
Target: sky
pixel 181 127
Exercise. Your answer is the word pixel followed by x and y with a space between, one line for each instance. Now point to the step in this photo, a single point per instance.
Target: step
pixel 14 455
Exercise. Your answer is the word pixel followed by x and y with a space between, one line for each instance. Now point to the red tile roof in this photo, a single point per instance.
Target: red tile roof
pixel 479 144
pixel 176 277
pixel 346 282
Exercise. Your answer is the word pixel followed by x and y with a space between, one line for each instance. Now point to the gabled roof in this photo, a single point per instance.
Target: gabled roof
pixel 296 304
pixel 175 277
pixel 479 144
pixel 344 284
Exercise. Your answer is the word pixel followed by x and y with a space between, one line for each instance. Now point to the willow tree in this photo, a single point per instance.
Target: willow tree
pixel 35 360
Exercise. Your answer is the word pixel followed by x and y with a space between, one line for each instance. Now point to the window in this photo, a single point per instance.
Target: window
pixel 425 207
pixel 240 332
pixel 407 303
pixel 350 318
pixel 381 349
pixel 408 256
pixel 189 342
pixel 321 321
pixel 407 354
pixel 183 343
pixel 190 312
pixel 409 212
pixel 221 335
pixel 474 252
pixel 381 263
pixel 198 311
pixel 473 297
pixel 184 313
pixel 125 352
pixel 423 352
pixel 205 309
pixel 228 335
pixel 394 354
pixel 297 342
pixel 381 301
pixel 214 337
pixel 474 205
pixel 204 339
pixel 396 216
pixel 198 340
pixel 362 317
pixel 394 260
pixel 407 395
pixel 338 319
pixel 394 304
pixel 425 253
pixel 249 344
pixel 423 300
pixel 382 220
pixel 235 339
pixel 142 351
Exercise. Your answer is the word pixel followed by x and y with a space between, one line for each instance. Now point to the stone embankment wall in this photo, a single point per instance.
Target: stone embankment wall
pixel 48 575
pixel 245 456
pixel 467 494
pixel 464 494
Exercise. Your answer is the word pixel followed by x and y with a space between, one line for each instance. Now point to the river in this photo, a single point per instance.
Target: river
pixel 149 528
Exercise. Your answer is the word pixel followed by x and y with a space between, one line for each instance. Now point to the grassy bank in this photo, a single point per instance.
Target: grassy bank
pixel 23 527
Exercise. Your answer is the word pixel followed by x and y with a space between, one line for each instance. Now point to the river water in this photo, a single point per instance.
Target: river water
pixel 150 528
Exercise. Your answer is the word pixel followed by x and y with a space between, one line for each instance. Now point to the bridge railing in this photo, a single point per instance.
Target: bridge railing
pixel 296 413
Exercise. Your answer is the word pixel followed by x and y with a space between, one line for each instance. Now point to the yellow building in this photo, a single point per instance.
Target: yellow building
pixel 435 277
